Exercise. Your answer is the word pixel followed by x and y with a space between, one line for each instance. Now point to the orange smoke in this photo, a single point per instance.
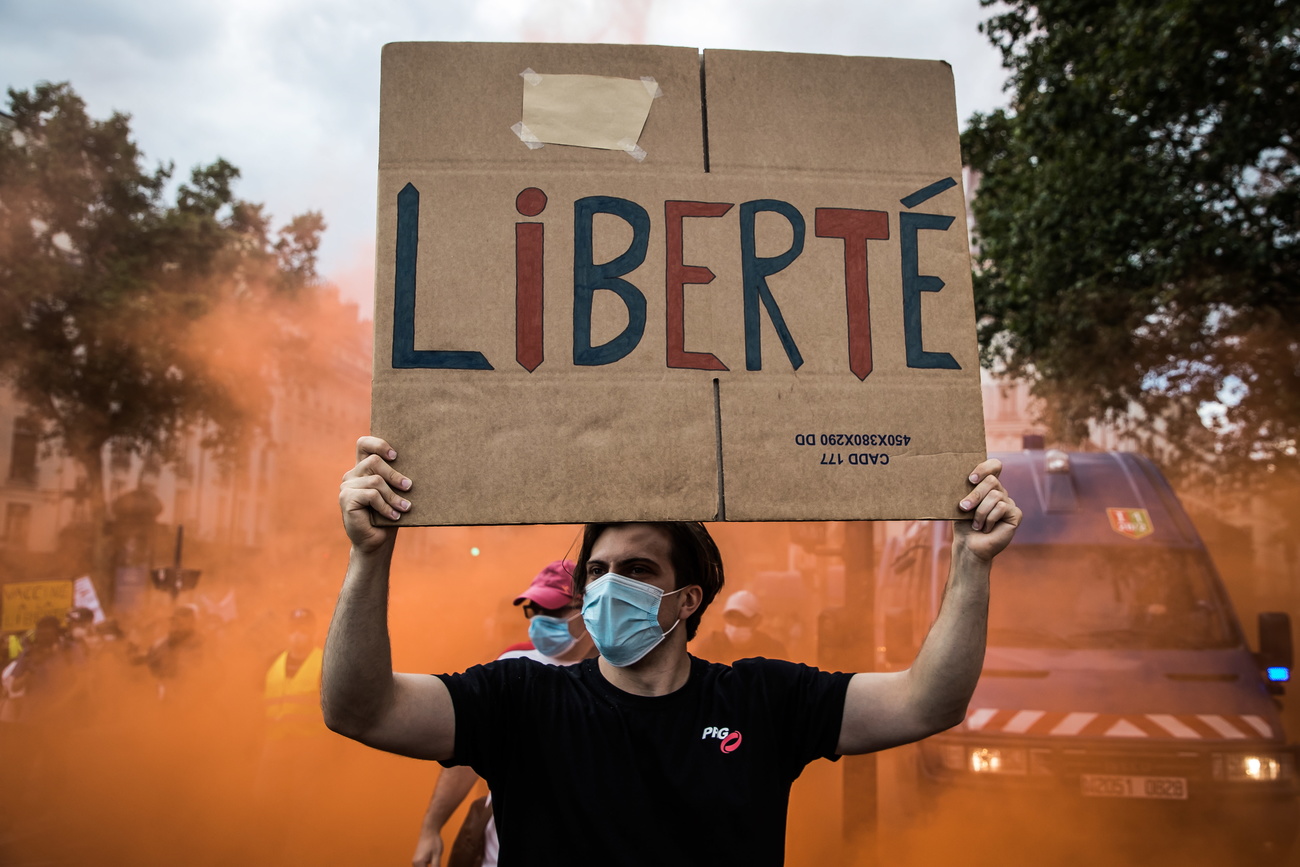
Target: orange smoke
pixel 123 777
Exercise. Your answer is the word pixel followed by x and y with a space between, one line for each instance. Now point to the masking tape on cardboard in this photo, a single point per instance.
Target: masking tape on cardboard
pixel 593 111
pixel 526 136
pixel 634 150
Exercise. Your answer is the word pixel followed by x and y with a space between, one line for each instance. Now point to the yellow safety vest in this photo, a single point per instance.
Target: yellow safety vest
pixel 293 703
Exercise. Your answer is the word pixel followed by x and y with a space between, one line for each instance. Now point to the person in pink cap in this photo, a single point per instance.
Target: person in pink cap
pixel 558 637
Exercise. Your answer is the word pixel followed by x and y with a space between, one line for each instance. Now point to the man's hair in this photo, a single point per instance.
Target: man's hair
pixel 694 555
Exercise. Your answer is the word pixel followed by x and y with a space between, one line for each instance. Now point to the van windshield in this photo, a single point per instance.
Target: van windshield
pixel 1105 597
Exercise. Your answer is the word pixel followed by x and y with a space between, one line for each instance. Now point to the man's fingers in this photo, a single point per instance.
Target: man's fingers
pixel 1004 512
pixel 984 507
pixel 996 513
pixel 990 467
pixel 374 465
pixel 374 446
pixel 390 498
pixel 985 478
pixel 370 498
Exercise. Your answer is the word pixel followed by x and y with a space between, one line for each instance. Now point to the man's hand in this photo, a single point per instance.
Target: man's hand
pixel 994 515
pixel 372 486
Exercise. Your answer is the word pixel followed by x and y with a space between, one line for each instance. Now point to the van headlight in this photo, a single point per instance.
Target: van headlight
pixel 1260 767
pixel 985 760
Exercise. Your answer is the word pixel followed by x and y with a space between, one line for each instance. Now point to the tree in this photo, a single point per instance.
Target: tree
pixel 103 281
pixel 1138 220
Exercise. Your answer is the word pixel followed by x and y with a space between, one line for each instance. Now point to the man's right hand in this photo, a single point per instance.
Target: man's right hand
pixel 372 486
pixel 428 849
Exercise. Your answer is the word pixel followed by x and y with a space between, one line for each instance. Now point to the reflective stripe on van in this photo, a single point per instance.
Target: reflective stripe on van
pixel 1201 726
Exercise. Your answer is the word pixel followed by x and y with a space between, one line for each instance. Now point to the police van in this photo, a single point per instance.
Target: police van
pixel 1118 691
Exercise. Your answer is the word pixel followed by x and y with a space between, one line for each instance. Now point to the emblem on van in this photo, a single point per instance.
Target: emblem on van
pixel 1134 523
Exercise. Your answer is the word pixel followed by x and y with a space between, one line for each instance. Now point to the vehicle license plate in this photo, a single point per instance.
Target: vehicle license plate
pixel 1117 786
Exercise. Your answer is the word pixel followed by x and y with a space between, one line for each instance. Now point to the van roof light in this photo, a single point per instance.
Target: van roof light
pixel 1057 461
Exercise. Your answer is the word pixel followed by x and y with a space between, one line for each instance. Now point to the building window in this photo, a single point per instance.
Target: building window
pixel 18 524
pixel 22 452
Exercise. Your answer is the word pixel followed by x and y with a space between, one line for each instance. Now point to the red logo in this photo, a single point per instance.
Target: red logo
pixel 1134 523
pixel 730 743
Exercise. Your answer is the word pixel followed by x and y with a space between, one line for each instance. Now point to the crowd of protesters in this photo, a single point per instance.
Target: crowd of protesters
pixel 145 714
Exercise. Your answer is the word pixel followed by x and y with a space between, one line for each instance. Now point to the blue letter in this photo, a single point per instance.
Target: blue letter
pixel 913 285
pixel 405 355
pixel 755 270
pixel 588 277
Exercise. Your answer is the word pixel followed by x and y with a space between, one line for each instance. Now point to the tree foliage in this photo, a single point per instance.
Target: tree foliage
pixel 1138 220
pixel 104 277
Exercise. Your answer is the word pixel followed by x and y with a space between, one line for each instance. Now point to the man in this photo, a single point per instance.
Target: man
pixel 292 688
pixel 44 682
pixel 297 750
pixel 740 636
pixel 181 649
pixel 647 755
pixel 559 638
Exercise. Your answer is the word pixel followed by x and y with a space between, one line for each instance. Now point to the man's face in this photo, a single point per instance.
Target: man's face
pixel 741 622
pixel 300 640
pixel 636 551
pixel 642 553
pixel 531 609
pixel 46 637
pixel 572 613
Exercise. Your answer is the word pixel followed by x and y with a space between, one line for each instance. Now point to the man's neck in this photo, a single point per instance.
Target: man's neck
pixel 663 670
pixel 580 651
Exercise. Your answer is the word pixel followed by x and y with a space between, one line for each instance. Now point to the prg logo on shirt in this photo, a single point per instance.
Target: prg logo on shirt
pixel 730 740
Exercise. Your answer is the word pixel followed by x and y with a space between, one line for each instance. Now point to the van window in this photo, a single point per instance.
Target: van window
pixel 1106 597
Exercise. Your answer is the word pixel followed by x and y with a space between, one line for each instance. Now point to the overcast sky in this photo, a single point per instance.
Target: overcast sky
pixel 288 90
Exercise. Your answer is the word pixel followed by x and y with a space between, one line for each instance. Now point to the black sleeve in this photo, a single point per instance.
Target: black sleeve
pixel 810 706
pixel 487 699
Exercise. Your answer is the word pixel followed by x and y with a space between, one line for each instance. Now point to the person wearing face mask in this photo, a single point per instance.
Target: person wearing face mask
pixel 740 636
pixel 558 636
pixel 649 755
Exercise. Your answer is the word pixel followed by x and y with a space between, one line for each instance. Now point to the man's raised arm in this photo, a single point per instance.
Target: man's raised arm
pixel 885 710
pixel 361 696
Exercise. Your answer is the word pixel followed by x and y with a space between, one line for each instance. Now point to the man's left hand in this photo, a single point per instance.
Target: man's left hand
pixel 994 516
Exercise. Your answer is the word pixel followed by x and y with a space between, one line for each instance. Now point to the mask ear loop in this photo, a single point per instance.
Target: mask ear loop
pixel 678 622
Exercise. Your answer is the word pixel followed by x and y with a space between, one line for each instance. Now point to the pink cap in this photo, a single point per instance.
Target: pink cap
pixel 552 588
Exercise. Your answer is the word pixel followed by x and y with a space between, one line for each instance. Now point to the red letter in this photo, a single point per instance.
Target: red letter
pixel 677 275
pixel 529 250
pixel 856 228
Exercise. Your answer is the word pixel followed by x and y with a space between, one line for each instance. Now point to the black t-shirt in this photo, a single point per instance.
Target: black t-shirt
pixel 584 773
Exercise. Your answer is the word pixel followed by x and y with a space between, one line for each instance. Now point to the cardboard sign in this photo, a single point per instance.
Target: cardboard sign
pixel 756 306
pixel 84 596
pixel 26 602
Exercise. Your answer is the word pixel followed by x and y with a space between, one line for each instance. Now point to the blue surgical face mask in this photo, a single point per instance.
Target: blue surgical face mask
pixel 550 635
pixel 622 617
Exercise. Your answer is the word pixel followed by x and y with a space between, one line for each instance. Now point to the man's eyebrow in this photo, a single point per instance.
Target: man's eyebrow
pixel 628 561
